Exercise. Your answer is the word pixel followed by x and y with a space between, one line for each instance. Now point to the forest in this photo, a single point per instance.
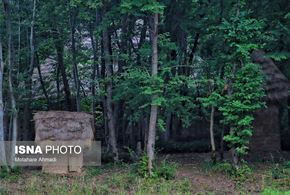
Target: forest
pixel 174 96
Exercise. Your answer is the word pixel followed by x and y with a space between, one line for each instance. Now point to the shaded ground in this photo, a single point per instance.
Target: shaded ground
pixel 194 175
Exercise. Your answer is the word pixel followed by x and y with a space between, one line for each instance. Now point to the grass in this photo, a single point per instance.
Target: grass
pixel 108 181
pixel 10 174
pixel 271 191
pixel 3 191
pixel 277 179
pixel 122 179
pixel 241 174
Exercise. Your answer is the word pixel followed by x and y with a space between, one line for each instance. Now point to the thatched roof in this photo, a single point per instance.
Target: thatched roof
pixel 63 126
pixel 277 85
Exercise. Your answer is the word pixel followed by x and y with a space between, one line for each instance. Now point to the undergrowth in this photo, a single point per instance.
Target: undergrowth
pixel 113 181
pixel 273 191
pixel 164 170
pixel 128 179
pixel 239 174
pixel 11 174
pixel 278 179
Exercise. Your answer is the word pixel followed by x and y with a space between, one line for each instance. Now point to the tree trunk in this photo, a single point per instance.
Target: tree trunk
pixel 145 130
pixel 110 113
pixel 93 76
pixel 196 38
pixel 58 87
pixel 168 126
pixel 27 112
pixel 95 71
pixel 222 145
pixel 10 84
pixel 103 99
pixel 154 108
pixel 73 49
pixel 42 82
pixel 235 157
pixel 2 135
pixel 142 40
pixel 19 37
pixel 166 135
pixel 59 53
pixel 212 141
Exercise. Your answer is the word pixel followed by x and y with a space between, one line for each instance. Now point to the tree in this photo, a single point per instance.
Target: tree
pixel 28 82
pixel 244 80
pixel 10 82
pixel 146 69
pixel 73 15
pixel 2 145
pixel 154 108
pixel 110 115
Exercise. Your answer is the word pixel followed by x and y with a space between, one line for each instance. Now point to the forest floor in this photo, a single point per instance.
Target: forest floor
pixel 194 175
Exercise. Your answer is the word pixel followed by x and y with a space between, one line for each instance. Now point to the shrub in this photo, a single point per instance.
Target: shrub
pixel 92 172
pixel 278 177
pixel 280 171
pixel 164 170
pixel 240 174
pixel 3 191
pixel 10 174
pixel 223 167
pixel 142 167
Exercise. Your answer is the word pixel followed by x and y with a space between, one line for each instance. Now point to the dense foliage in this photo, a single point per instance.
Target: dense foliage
pixel 96 56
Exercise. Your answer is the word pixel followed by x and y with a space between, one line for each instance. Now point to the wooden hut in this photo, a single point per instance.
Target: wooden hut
pixel 55 127
pixel 266 134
